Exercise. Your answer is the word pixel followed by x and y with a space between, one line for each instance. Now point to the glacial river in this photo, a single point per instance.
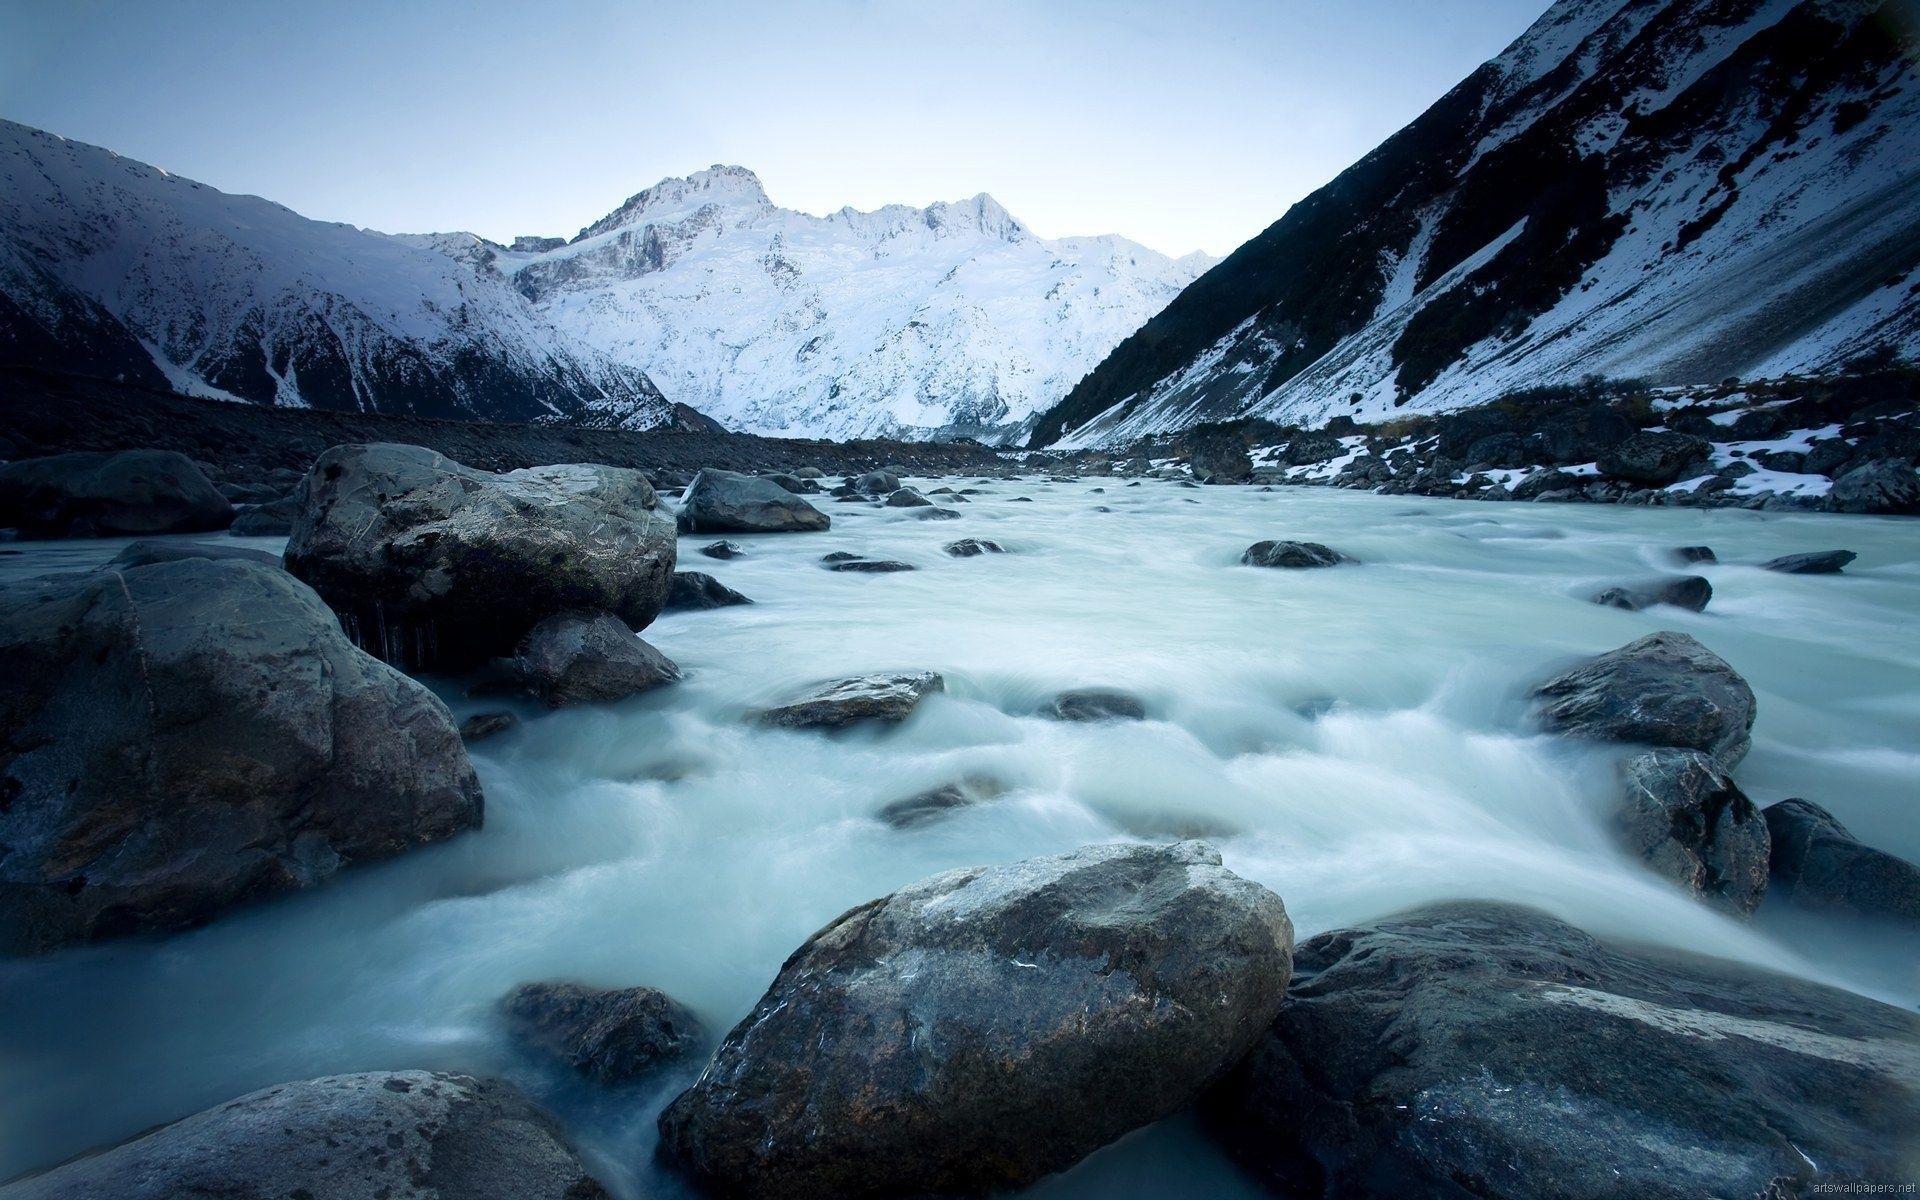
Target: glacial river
pixel 1355 738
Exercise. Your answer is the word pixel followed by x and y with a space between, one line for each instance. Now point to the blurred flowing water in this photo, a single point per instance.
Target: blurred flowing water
pixel 1355 738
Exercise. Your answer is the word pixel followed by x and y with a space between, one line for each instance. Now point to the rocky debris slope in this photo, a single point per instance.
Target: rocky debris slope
pixel 189 735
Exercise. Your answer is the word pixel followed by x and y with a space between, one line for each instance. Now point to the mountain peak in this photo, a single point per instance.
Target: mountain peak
pixel 719 186
pixel 980 213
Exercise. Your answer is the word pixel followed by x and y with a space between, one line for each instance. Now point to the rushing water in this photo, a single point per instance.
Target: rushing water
pixel 1356 739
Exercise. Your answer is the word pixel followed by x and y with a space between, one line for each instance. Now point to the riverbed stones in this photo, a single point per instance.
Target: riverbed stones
pixel 973 547
pixel 984 1027
pixel 876 483
pixel 433 564
pixel 1817 863
pixel 728 502
pixel 1691 592
pixel 131 493
pixel 584 657
pixel 1815 562
pixel 1684 817
pixel 1887 485
pixel 693 591
pixel 341 1137
pixel 1294 555
pixel 907 498
pixel 1087 705
pixel 1665 689
pixel 609 1035
pixel 1489 1050
pixel 182 737
pixel 723 549
pixel 888 697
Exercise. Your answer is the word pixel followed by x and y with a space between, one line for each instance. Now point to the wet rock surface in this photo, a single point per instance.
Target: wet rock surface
pixel 588 658
pixel 693 591
pixel 1293 555
pixel 1687 820
pixel 609 1035
pixel 1818 562
pixel 888 698
pixel 1665 689
pixel 1691 592
pixel 728 502
pixel 1095 704
pixel 1817 863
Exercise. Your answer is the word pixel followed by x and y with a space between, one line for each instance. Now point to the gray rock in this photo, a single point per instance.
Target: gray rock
pixel 723 549
pixel 868 566
pixel 1096 704
pixel 890 698
pixel 1830 457
pixel 588 658
pixel 793 483
pixel 374 1136
pixel 907 498
pixel 433 564
pixel 985 1027
pixel 1817 863
pixel 1886 485
pixel 973 547
pixel 694 591
pixel 1222 459
pixel 481 726
pixel 131 493
pixel 1694 554
pixel 147 551
pixel 1683 591
pixel 274 518
pixel 877 483
pixel 179 738
pixel 609 1036
pixel 1488 1050
pixel 933 803
pixel 1656 458
pixel 1817 562
pixel 1545 482
pixel 1665 689
pixel 935 514
pixel 727 502
pixel 1292 554
pixel 1685 818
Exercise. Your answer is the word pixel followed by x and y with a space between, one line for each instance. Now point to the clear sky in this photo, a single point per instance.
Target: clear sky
pixel 1185 124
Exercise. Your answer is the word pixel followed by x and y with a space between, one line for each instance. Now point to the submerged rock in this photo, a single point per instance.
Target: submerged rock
pixel 1489 1050
pixel 1817 863
pixel 866 566
pixel 1292 554
pixel 1887 485
pixel 890 698
pixel 935 513
pixel 723 549
pixel 982 1028
pixel 696 590
pixel 727 502
pixel 1096 704
pixel 89 494
pixel 609 1036
pixel 481 726
pixel 1685 818
pixel 1690 592
pixel 183 737
pixel 933 803
pixel 1694 554
pixel 972 547
pixel 1665 689
pixel 341 1137
pixel 588 658
pixel 1817 562
pixel 434 564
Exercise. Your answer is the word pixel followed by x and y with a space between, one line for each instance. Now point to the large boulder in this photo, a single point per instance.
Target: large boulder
pixel 876 483
pixel 89 494
pixel 588 658
pixel 727 502
pixel 433 564
pixel 608 1035
pixel 1665 689
pixel 1487 1050
pixel 1685 818
pixel 179 738
pixel 1656 458
pixel 984 1027
pixel 1294 555
pixel 1817 863
pixel 417 1134
pixel 1886 485
pixel 889 698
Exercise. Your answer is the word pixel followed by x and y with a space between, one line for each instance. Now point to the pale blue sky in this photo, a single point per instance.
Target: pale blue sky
pixel 1185 125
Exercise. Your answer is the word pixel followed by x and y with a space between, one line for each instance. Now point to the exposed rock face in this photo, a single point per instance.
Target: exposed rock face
pixel 1488 1050
pixel 1690 592
pixel 132 493
pixel 610 1036
pixel 984 1027
pixel 1688 821
pixel 973 547
pixel 1292 554
pixel 434 564
pixel 696 590
pixel 183 737
pixel 589 658
pixel 1816 862
pixel 889 698
pixel 727 502
pixel 1656 458
pixel 415 1134
pixel 1096 704
pixel 1665 689
pixel 1815 562
pixel 1887 485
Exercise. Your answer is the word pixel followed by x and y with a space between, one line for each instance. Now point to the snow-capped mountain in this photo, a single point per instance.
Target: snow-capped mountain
pixel 903 321
pixel 115 268
pixel 1675 191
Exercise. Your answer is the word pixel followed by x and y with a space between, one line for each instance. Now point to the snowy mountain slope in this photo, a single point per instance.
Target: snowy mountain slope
pixel 907 321
pixel 1670 190
pixel 236 297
